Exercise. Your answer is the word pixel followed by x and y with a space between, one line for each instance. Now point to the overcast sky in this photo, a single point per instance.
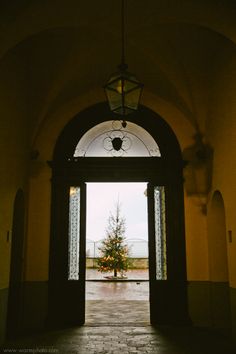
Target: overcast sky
pixel 101 200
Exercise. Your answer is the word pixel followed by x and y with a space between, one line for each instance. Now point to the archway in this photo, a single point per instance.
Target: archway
pixel 164 177
pixel 218 264
pixel 16 268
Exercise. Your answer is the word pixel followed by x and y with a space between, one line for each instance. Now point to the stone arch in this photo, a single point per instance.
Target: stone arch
pixel 218 260
pixel 218 264
pixel 162 171
pixel 16 267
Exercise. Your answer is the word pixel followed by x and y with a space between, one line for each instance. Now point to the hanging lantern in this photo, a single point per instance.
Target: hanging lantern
pixel 123 90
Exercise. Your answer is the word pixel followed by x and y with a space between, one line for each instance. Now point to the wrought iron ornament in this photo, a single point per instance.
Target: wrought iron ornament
pixel 74 233
pixel 160 233
pixel 117 142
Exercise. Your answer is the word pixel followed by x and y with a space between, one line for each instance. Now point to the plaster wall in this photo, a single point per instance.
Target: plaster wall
pixel 221 131
pixel 14 151
pixel 14 160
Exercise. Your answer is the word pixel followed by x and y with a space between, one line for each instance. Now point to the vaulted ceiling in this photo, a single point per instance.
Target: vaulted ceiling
pixel 59 50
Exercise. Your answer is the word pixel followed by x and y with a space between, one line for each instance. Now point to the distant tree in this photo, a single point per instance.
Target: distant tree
pixel 114 250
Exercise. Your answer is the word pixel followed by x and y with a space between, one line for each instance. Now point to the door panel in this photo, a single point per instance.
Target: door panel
pixel 157 251
pixel 168 297
pixel 76 253
pixel 67 276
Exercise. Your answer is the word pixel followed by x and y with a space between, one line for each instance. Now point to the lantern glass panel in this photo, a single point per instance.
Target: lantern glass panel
pixel 114 99
pixel 130 85
pixel 132 98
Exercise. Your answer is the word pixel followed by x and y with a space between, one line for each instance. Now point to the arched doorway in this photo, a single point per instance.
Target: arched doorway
pixel 16 268
pixel 218 264
pixel 165 186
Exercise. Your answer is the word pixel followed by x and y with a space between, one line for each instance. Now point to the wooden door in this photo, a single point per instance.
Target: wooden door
pixel 67 276
pixel 168 287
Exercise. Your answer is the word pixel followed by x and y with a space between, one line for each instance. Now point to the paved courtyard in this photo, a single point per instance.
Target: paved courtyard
pixel 131 299
pixel 100 290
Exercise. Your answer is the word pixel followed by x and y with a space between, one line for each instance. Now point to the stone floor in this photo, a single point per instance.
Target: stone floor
pixel 123 340
pixel 119 324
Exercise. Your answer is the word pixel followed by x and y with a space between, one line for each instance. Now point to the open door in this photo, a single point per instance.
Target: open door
pixel 67 283
pixel 167 274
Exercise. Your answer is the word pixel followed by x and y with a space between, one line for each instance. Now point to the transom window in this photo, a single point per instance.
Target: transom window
pixel 117 138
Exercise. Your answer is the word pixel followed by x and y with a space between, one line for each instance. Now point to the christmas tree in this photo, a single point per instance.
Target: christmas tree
pixel 114 250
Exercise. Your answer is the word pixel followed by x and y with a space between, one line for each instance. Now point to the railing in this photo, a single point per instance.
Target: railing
pixel 138 248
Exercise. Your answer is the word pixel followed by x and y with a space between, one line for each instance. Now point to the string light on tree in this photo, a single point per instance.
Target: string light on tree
pixel 114 251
